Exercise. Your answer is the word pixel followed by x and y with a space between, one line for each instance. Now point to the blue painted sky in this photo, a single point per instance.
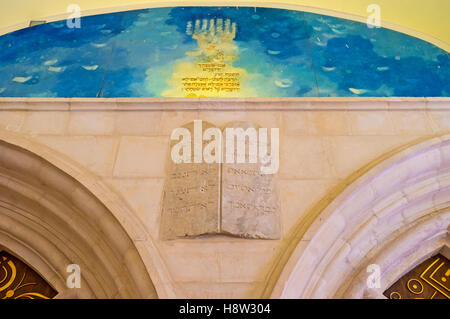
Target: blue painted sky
pixel 284 54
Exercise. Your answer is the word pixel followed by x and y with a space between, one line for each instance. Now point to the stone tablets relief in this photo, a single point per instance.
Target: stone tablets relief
pixel 230 197
pixel 191 196
pixel 250 205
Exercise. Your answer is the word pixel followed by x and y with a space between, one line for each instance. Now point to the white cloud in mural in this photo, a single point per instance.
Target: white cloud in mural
pixel 21 79
pixel 90 67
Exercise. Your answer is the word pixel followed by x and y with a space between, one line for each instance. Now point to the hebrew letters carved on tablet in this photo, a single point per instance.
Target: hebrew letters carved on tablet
pixel 191 195
pixel 202 197
pixel 250 205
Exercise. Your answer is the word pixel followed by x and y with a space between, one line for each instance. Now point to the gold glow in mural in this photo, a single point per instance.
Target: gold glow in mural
pixel 208 71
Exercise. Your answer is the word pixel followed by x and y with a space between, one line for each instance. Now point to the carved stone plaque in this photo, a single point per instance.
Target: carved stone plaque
pixel 191 196
pixel 233 198
pixel 250 205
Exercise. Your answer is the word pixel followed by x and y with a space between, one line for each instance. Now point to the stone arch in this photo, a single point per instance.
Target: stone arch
pixel 53 214
pixel 395 215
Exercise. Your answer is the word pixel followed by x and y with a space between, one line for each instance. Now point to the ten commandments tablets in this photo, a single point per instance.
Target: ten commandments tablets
pixel 212 189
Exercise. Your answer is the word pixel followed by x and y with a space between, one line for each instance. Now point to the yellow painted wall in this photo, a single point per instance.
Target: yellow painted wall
pixel 426 17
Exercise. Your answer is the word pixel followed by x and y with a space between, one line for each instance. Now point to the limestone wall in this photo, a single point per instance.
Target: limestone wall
pixel 324 143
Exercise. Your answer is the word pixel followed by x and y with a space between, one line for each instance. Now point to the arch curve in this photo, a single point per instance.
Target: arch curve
pixel 420 33
pixel 395 215
pixel 53 215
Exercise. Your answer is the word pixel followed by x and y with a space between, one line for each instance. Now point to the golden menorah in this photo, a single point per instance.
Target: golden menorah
pixel 212 32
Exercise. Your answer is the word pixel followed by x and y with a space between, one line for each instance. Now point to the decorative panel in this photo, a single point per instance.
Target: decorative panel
pixel 18 281
pixel 429 280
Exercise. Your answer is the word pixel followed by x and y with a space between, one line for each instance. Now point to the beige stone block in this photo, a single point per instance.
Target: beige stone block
pixel 228 290
pixel 362 241
pixel 350 153
pixel 411 105
pixel 441 198
pixel 141 157
pixel 444 180
pixel 223 118
pixel 337 269
pixel 46 123
pixel 56 179
pixel 355 206
pixel 259 119
pixel 296 123
pixel 329 105
pixel 440 120
pixel 91 123
pixel 304 157
pixel 445 155
pixel 138 123
pixel 371 123
pixel 330 123
pixel 265 119
pixel 298 197
pixel 190 263
pixel 418 208
pixel 388 227
pixel 245 262
pixel 12 120
pixel 425 162
pixel 389 203
pixel 171 120
pixel 309 261
pixel 387 180
pixel 411 122
pixel 437 104
pixel 391 214
pixel 215 260
pixel 329 232
pixel 368 105
pixel 144 196
pixel 94 153
pixel 421 188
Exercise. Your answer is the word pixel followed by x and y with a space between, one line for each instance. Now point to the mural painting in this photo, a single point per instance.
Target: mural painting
pixel 218 52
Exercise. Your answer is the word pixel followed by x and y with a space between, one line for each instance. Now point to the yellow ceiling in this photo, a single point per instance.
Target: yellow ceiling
pixel 425 19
